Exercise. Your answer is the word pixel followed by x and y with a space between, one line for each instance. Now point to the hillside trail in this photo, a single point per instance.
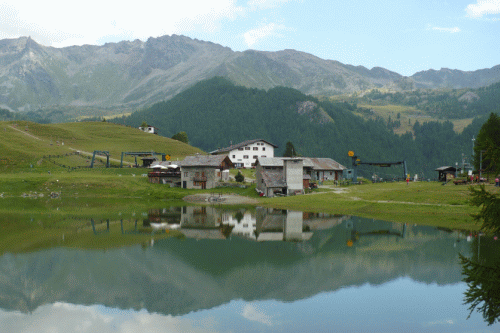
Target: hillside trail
pixel 70 148
pixel 25 133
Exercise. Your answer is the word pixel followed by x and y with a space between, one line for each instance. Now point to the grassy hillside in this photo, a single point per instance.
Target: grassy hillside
pixel 25 143
pixel 408 115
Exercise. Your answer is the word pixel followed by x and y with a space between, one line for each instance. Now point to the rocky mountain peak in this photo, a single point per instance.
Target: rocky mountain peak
pixel 132 74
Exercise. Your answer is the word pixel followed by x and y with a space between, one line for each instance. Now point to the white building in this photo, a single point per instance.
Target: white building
pixel 149 129
pixel 244 154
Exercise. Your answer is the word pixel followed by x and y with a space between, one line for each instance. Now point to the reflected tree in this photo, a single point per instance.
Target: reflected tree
pixel 489 204
pixel 483 293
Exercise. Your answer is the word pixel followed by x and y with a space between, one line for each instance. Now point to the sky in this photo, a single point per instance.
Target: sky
pixel 436 308
pixel 405 36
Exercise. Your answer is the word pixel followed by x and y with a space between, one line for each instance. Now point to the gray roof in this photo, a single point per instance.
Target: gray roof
pixel 446 168
pixel 240 145
pixel 320 163
pixel 273 178
pixel 203 160
pixel 278 161
pixel 316 163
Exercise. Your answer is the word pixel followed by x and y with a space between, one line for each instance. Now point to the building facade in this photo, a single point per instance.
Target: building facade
pixel 280 176
pixel 203 171
pixel 244 154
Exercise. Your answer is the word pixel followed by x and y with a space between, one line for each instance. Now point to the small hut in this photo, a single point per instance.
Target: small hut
pixel 446 173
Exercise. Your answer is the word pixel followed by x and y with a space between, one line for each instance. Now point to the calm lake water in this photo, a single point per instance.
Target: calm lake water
pixel 246 270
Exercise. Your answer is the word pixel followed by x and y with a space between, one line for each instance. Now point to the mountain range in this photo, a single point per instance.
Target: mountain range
pixel 133 74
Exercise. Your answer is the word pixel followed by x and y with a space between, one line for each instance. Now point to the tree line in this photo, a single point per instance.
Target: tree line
pixel 216 113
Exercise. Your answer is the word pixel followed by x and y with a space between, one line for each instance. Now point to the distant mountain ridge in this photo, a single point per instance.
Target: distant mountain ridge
pixel 129 75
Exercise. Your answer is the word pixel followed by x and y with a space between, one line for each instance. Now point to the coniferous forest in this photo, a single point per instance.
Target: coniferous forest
pixel 215 113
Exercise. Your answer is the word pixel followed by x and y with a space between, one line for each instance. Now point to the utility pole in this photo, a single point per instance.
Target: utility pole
pixel 473 142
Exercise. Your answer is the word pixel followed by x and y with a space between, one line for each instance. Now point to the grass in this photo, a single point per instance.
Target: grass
pixel 408 116
pixel 425 203
pixel 37 222
pixel 248 173
pixel 25 143
pixel 86 192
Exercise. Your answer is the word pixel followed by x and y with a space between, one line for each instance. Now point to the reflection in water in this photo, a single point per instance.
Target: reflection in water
pixel 260 224
pixel 231 258
pixel 482 275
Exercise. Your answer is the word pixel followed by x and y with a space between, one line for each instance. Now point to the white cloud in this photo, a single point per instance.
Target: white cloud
pixel 483 7
pixel 255 35
pixel 64 317
pixel 450 30
pixel 62 23
pixel 439 322
pixel 266 3
pixel 250 312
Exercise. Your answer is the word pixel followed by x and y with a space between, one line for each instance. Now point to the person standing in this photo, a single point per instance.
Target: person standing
pixel 497 181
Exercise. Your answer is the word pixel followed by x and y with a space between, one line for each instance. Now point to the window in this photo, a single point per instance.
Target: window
pixel 240 149
pixel 234 156
pixel 245 157
pixel 247 148
pixel 263 148
pixel 255 157
pixel 263 156
pixel 185 174
pixel 255 148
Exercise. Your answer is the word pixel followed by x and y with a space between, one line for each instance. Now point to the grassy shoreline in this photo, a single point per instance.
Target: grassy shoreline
pixel 425 203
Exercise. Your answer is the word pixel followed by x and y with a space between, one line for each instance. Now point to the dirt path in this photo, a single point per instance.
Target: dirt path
pixel 25 133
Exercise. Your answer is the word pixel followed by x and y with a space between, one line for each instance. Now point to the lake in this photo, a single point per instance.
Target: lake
pixel 236 270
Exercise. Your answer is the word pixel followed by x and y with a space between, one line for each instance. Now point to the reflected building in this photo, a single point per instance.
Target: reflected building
pixel 170 215
pixel 204 222
pixel 260 224
pixel 280 225
pixel 244 223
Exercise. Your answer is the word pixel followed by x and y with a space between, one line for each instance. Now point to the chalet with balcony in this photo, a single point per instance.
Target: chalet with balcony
pixel 204 171
pixel 244 154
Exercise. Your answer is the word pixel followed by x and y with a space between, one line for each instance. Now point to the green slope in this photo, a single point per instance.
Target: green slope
pixel 25 143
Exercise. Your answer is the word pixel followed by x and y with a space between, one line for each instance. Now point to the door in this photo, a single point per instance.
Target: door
pixel 184 184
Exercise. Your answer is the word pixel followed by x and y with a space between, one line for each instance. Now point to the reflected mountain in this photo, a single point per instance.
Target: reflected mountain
pixel 200 271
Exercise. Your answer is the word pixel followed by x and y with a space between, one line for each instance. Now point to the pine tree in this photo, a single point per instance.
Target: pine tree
pixel 290 150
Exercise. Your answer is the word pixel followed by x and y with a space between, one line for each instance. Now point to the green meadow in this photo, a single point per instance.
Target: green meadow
pixel 43 197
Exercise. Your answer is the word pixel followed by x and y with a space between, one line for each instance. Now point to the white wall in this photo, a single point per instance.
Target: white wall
pixel 294 175
pixel 246 156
